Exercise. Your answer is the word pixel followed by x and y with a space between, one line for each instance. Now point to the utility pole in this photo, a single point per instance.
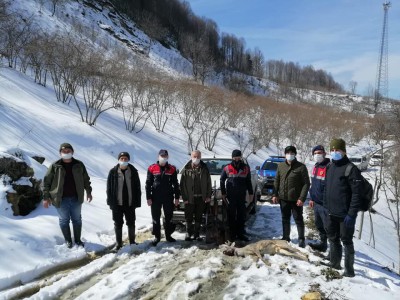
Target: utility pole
pixel 381 85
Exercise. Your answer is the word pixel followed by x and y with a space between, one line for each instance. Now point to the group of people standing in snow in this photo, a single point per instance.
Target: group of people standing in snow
pixel 335 197
pixel 67 179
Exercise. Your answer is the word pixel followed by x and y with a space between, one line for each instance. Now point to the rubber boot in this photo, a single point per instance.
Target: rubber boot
pixel 302 240
pixel 286 231
pixel 349 261
pixel 189 232
pixel 168 231
pixel 66 231
pixel 335 256
pixel 77 235
pixel 131 234
pixel 197 232
pixel 118 237
pixel 322 245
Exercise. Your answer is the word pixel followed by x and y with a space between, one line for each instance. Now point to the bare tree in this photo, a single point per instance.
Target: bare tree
pixel 136 107
pixel 190 107
pixel 161 97
pixel 214 117
pixel 95 85
pixel 353 87
pixel 16 33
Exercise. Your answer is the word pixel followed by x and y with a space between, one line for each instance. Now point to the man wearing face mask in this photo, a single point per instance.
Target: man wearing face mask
pixel 342 200
pixel 63 186
pixel 196 192
pixel 123 197
pixel 238 181
pixel 161 188
pixel 316 193
pixel 290 191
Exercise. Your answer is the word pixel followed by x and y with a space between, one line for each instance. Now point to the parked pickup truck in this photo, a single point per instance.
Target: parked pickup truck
pixel 215 166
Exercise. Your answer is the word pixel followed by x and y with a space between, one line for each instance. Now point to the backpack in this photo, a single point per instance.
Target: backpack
pixel 367 191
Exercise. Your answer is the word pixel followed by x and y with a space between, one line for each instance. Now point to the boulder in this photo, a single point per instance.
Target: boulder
pixel 26 189
pixel 312 296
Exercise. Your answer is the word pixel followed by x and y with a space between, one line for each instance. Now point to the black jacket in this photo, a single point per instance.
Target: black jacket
pixel 112 187
pixel 341 194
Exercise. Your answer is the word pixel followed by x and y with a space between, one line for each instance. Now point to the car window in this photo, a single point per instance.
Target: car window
pixel 355 159
pixel 215 166
pixel 377 156
pixel 268 165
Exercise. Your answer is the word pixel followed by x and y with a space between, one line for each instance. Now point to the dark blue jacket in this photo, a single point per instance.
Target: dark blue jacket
pixel 342 194
pixel 318 181
pixel 238 180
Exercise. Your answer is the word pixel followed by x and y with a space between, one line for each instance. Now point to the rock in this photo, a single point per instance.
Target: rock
pixel 39 159
pixel 27 188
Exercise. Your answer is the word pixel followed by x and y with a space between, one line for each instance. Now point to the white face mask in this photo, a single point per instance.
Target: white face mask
pixel 195 161
pixel 162 160
pixel 66 155
pixel 290 157
pixel 123 163
pixel 318 158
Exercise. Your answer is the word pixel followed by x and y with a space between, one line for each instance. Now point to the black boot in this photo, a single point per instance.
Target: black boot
pixel 286 231
pixel 335 256
pixel 349 261
pixel 168 231
pixel 77 235
pixel 131 234
pixel 321 246
pixel 189 232
pixel 302 240
pixel 66 231
pixel 118 237
pixel 196 235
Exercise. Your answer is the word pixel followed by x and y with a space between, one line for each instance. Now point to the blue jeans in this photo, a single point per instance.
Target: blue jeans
pixel 70 209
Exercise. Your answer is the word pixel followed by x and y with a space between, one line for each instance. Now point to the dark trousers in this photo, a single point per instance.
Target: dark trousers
pixel 118 214
pixel 168 206
pixel 320 219
pixel 337 231
pixel 236 214
pixel 287 209
pixel 195 209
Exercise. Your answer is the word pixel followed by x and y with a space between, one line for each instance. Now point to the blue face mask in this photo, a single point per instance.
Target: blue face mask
pixel 123 163
pixel 336 155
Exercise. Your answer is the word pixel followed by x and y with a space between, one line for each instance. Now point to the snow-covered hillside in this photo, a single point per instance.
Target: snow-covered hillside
pixel 32 246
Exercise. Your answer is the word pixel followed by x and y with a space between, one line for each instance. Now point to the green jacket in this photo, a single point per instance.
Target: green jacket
pixel 53 182
pixel 187 182
pixel 292 181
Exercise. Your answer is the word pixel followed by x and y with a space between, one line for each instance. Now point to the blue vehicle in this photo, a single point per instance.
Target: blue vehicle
pixel 266 174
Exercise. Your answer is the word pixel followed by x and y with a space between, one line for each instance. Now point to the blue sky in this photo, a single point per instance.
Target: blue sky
pixel 340 36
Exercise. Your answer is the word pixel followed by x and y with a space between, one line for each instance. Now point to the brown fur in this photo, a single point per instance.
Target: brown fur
pixel 258 249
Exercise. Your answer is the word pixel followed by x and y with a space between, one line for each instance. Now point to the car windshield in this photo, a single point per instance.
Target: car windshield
pixel 216 165
pixel 355 159
pixel 270 166
pixel 377 156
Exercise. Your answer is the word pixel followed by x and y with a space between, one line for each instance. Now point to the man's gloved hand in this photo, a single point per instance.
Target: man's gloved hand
pixel 349 221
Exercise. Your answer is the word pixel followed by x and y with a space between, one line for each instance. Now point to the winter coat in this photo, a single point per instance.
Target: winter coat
pixel 162 184
pixel 318 181
pixel 53 182
pixel 115 179
pixel 291 181
pixel 342 194
pixel 238 180
pixel 187 182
